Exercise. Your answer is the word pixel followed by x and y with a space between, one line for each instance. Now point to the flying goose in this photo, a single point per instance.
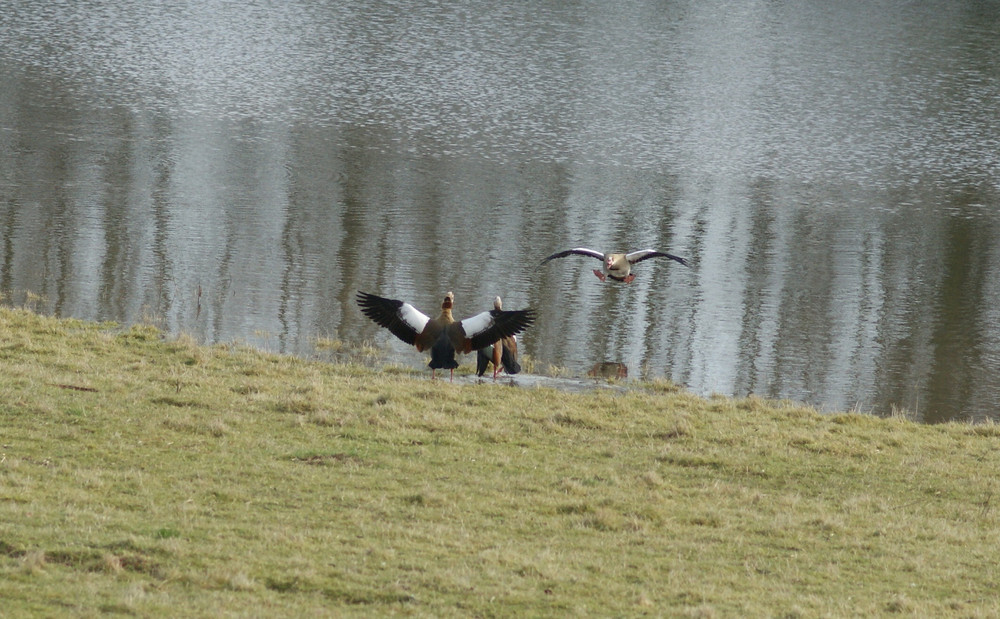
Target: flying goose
pixel 502 353
pixel 444 336
pixel 617 266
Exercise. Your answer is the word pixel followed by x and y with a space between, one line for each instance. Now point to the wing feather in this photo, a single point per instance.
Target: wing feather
pixel 477 324
pixel 580 251
pixel 486 328
pixel 646 254
pixel 401 319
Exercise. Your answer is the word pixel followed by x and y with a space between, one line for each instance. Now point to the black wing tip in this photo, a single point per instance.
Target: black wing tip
pixel 663 254
pixel 367 299
pixel 379 309
pixel 679 259
pixel 524 319
pixel 367 302
pixel 509 322
pixel 576 251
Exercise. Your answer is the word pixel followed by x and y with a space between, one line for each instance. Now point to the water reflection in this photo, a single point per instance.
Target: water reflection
pixel 237 172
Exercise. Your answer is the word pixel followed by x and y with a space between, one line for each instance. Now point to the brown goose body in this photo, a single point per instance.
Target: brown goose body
pixel 617 267
pixel 443 336
pixel 502 353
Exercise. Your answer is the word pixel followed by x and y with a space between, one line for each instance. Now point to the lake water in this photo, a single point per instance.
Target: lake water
pixel 238 170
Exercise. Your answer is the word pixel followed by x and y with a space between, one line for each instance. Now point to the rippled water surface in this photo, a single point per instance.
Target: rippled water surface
pixel 238 171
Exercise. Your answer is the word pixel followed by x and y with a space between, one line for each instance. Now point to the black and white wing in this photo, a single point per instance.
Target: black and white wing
pixel 486 328
pixel 645 254
pixel 401 319
pixel 580 251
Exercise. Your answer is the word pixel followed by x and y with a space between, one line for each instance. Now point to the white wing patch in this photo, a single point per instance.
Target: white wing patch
pixel 636 255
pixel 413 317
pixel 588 252
pixel 477 324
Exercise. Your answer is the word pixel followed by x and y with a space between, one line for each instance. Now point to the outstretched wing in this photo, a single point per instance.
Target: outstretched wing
pixel 580 251
pixel 401 319
pixel 645 254
pixel 486 328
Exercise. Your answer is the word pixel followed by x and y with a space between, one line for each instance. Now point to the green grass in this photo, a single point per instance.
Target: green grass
pixel 146 476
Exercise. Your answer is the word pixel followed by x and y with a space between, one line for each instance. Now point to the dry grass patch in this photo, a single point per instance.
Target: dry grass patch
pixel 148 476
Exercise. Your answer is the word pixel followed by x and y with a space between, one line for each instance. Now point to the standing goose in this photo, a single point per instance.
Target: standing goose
pixel 444 336
pixel 502 353
pixel 617 266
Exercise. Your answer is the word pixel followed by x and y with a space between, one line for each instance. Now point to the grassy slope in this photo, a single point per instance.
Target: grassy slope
pixel 149 477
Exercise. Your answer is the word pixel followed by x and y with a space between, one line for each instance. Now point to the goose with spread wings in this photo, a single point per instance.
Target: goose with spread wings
pixel 617 266
pixel 443 336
